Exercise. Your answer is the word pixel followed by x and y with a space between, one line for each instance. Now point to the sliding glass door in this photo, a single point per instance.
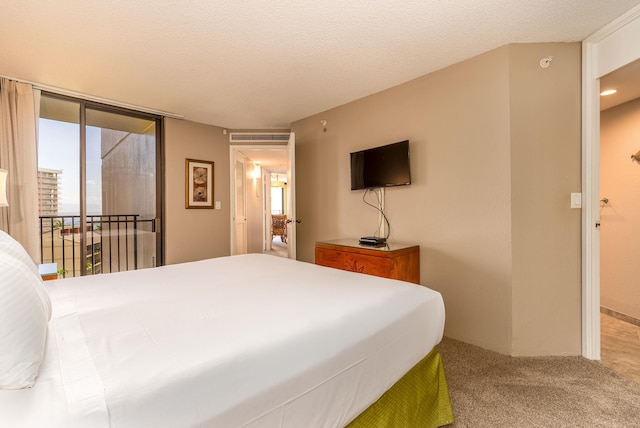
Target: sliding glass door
pixel 99 172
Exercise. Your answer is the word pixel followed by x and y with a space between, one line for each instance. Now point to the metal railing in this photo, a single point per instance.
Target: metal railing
pixel 111 243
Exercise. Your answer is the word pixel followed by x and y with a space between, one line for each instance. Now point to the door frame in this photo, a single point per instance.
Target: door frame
pixel 610 48
pixel 235 148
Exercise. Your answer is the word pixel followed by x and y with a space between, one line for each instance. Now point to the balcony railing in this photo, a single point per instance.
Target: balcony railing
pixel 111 241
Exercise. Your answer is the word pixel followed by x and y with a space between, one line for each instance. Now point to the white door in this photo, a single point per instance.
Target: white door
pixel 266 211
pixel 291 198
pixel 240 205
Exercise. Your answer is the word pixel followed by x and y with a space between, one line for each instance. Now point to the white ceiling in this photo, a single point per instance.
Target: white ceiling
pixel 272 160
pixel 258 64
pixel 626 81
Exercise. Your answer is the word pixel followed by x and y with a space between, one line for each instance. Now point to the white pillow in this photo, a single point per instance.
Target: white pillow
pixel 9 246
pixel 25 310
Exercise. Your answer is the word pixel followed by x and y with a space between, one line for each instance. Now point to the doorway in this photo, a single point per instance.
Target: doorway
pixel 609 49
pixel 276 214
pixel 268 167
pixel 619 230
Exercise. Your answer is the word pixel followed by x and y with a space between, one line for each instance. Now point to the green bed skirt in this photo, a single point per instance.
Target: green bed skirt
pixel 420 399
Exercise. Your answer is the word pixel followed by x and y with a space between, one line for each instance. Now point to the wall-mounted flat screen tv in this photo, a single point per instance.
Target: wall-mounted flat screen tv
pixel 383 166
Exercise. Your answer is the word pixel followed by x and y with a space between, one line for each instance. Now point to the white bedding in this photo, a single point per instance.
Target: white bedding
pixel 242 341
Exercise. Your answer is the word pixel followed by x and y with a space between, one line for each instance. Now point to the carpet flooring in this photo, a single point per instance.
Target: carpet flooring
pixel 278 248
pixel 494 390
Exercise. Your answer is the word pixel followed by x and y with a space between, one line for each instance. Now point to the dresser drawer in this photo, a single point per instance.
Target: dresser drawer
pixel 402 263
pixel 370 265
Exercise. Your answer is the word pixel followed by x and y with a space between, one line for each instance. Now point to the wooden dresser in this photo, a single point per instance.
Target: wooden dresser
pixel 396 261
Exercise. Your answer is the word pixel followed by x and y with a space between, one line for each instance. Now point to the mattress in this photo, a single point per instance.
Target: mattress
pixel 241 341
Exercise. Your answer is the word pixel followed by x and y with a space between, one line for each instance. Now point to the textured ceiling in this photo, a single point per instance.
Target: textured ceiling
pixel 263 64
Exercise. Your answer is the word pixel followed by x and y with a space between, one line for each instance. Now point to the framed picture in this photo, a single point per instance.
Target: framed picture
pixel 199 184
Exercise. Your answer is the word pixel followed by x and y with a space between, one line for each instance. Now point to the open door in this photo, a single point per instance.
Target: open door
pixel 291 198
pixel 239 206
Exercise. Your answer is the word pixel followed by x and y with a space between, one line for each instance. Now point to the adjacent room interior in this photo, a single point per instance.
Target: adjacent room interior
pixel 620 318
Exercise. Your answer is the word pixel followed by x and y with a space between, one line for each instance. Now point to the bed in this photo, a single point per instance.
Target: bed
pixel 231 342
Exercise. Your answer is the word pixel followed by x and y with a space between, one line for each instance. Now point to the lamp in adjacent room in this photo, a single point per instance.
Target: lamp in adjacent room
pixel 257 172
pixel 3 188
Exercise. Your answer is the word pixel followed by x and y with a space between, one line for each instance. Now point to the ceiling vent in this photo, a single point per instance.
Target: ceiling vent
pixel 259 137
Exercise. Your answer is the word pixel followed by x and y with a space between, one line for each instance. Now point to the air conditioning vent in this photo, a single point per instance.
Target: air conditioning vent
pixel 250 137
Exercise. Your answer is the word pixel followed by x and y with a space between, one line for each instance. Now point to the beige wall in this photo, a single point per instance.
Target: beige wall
pixel 545 169
pixel 195 234
pixel 620 217
pixel 466 202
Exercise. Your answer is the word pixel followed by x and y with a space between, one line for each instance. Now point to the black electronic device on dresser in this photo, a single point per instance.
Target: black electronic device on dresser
pixel 373 241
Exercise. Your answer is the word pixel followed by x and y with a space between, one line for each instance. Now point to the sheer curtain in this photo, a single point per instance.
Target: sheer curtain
pixel 19 111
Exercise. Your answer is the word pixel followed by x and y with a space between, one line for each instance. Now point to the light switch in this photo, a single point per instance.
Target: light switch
pixel 576 200
pixel 218 205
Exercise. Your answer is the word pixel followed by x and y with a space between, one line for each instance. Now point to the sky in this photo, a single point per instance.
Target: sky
pixel 59 148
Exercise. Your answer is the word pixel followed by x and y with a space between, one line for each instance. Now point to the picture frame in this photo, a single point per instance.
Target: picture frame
pixel 198 183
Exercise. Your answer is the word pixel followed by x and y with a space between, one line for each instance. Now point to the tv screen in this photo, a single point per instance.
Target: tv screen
pixel 382 166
